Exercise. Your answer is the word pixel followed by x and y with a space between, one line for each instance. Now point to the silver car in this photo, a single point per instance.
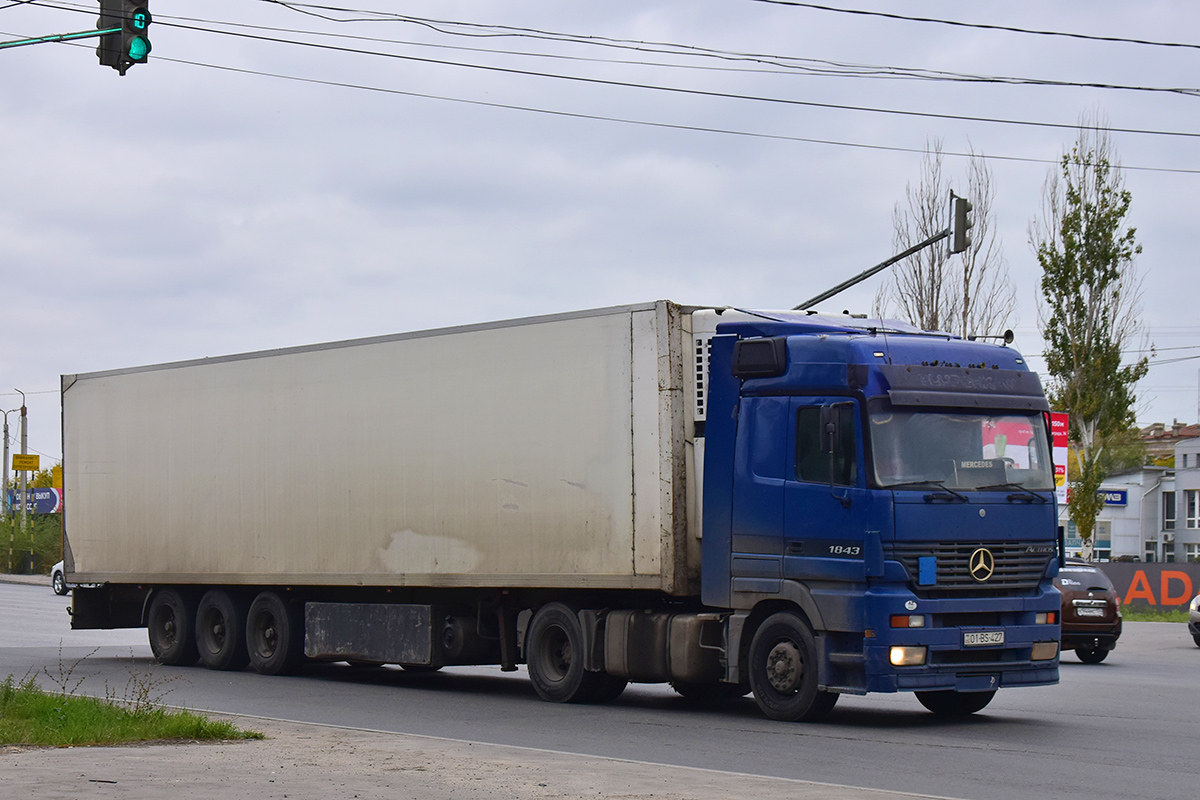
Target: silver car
pixel 1194 619
pixel 58 579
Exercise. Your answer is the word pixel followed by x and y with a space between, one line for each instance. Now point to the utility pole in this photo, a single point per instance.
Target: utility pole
pixel 24 498
pixel 5 513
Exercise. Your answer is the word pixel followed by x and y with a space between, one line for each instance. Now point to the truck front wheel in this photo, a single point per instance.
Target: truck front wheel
pixel 274 634
pixel 169 623
pixel 955 704
pixel 554 654
pixel 783 670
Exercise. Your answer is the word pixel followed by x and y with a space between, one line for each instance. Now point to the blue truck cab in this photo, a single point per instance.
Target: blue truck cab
pixel 878 503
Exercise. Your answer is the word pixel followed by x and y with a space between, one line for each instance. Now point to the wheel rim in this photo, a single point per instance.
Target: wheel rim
pixel 214 630
pixel 266 638
pixel 785 667
pixel 556 654
pixel 164 623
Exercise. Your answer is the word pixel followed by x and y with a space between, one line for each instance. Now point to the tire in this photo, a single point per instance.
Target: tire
pixel 706 693
pixel 1196 639
pixel 274 634
pixel 221 631
pixel 783 670
pixel 554 655
pixel 955 704
pixel 603 688
pixel 170 623
pixel 59 583
pixel 1091 655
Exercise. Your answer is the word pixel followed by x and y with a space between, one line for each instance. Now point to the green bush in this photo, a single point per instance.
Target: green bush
pixel 46 533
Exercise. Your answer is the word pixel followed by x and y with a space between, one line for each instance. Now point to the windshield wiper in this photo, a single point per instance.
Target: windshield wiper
pixel 1019 488
pixel 939 484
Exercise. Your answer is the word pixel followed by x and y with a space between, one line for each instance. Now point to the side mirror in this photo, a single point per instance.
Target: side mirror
pixel 831 443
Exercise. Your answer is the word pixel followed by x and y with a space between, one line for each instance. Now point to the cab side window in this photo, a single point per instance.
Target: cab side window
pixel 813 444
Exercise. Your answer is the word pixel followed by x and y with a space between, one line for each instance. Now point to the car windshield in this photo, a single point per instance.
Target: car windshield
pixel 972 450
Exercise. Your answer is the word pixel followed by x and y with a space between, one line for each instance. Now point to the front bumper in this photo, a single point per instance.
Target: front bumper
pixel 951 664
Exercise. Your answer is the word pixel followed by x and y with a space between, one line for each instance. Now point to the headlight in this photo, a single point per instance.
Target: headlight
pixel 907 656
pixel 1194 606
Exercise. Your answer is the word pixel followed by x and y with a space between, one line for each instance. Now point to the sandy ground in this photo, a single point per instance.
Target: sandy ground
pixel 324 763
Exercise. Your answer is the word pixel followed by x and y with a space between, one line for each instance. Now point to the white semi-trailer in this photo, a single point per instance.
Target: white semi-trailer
pixel 530 491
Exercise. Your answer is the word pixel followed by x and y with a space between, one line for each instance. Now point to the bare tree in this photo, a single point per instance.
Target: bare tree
pixel 965 294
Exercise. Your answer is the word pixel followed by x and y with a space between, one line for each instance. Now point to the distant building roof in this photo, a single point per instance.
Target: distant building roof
pixel 1160 440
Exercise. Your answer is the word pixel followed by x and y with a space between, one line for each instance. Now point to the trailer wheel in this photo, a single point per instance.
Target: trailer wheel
pixel 783 670
pixel 955 704
pixel 221 631
pixel 554 654
pixel 274 634
pixel 169 623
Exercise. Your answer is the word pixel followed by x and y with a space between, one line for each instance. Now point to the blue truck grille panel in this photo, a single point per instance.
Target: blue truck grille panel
pixel 1017 567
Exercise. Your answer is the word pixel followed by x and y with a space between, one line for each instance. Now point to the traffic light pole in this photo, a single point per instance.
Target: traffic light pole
pixel 960 223
pixel 862 276
pixel 59 37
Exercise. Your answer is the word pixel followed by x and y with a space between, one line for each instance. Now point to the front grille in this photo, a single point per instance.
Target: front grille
pixel 1019 567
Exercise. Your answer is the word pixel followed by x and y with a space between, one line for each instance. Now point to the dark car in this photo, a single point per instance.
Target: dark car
pixel 1091 611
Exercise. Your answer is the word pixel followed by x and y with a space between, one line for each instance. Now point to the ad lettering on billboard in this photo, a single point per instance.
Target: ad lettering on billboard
pixel 38 501
pixel 1060 441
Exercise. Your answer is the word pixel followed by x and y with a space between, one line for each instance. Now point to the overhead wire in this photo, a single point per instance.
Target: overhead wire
pixel 629 84
pixel 688 91
pixel 980 25
pixel 647 123
pixel 783 64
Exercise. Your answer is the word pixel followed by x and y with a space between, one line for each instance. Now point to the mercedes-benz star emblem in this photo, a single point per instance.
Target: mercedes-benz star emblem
pixel 982 564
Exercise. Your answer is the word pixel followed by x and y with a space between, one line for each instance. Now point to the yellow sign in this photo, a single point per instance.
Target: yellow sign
pixel 56 476
pixel 24 462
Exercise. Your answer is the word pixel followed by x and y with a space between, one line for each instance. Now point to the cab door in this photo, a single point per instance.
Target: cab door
pixel 826 513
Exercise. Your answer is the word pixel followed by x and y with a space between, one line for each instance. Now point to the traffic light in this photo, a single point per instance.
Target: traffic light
pixel 131 44
pixel 960 224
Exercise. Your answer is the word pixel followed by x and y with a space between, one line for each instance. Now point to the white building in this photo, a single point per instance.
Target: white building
pixel 1185 516
pixel 1151 513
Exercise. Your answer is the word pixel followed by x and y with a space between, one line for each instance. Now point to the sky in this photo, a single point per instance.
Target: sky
pixel 282 174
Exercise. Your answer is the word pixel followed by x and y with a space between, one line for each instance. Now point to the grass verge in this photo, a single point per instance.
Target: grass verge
pixel 31 715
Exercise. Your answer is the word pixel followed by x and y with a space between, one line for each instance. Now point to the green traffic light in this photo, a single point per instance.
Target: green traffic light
pixel 139 48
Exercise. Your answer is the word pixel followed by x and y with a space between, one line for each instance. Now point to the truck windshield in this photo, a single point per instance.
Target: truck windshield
pixel 959 449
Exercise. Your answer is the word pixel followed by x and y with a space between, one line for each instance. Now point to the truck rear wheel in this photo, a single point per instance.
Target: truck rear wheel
pixel 554 654
pixel 955 704
pixel 274 634
pixel 221 631
pixel 783 670
pixel 169 623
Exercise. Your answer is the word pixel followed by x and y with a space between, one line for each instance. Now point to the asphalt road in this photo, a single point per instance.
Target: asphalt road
pixel 1121 729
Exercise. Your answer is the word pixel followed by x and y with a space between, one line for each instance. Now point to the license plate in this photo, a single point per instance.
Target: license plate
pixel 1090 612
pixel 980 638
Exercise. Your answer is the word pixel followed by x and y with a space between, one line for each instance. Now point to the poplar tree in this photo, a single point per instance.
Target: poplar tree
pixel 1090 310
